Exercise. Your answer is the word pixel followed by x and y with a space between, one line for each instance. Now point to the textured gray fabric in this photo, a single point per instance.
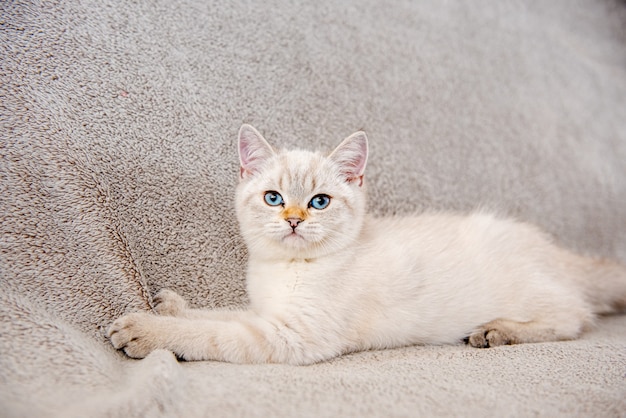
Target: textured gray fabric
pixel 118 167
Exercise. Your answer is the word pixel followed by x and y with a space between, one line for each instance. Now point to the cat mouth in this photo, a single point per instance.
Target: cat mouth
pixel 293 236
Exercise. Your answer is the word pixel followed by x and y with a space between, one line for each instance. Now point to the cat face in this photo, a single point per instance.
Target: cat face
pixel 299 204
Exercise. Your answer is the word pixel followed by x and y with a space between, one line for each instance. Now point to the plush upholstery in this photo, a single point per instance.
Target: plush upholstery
pixel 118 165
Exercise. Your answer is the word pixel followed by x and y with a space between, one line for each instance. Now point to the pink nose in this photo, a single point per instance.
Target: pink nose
pixel 294 222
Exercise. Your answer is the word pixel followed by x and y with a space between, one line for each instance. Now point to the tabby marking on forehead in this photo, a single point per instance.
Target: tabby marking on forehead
pixel 312 185
pixel 299 179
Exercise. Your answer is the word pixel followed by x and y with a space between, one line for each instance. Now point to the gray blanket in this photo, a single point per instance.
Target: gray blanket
pixel 118 167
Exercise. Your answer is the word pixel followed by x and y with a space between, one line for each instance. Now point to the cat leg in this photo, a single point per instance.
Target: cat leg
pixel 170 303
pixel 249 339
pixel 504 331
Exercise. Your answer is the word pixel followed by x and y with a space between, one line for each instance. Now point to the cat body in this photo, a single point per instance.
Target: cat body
pixel 432 279
pixel 325 279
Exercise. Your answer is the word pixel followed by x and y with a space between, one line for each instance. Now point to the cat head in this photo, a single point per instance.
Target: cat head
pixel 300 204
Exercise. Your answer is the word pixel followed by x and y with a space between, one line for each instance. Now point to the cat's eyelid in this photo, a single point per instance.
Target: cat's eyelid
pixel 322 194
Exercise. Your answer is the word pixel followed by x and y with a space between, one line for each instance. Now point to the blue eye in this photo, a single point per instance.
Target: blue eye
pixel 273 199
pixel 320 201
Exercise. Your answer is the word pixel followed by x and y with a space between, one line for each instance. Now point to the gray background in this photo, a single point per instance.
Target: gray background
pixel 118 167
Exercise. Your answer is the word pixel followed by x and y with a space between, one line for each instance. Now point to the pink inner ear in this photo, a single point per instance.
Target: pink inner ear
pixel 358 180
pixel 253 150
pixel 245 153
pixel 351 155
pixel 245 157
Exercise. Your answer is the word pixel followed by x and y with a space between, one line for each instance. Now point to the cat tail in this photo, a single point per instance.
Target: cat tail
pixel 603 282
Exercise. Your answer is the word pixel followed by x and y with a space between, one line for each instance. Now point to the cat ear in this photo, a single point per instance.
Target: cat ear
pixel 253 150
pixel 351 155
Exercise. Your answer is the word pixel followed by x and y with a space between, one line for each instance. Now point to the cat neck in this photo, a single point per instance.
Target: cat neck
pixel 295 260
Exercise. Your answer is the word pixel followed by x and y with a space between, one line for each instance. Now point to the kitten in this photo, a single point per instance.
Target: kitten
pixel 325 279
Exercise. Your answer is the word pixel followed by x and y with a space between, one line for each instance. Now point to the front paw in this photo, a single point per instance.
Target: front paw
pixel 169 303
pixel 135 334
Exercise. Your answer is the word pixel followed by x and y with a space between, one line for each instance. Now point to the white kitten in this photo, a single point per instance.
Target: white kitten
pixel 325 279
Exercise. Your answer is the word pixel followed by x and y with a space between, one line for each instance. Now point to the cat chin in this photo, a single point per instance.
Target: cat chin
pixel 294 238
pixel 292 247
pixel 295 242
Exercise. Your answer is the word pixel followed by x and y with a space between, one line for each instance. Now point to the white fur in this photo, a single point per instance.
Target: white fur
pixel 342 281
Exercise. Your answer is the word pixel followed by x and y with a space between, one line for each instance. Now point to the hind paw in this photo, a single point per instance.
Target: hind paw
pixel 488 337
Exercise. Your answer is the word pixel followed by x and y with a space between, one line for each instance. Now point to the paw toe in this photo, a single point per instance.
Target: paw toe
pixel 117 336
pixel 479 339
